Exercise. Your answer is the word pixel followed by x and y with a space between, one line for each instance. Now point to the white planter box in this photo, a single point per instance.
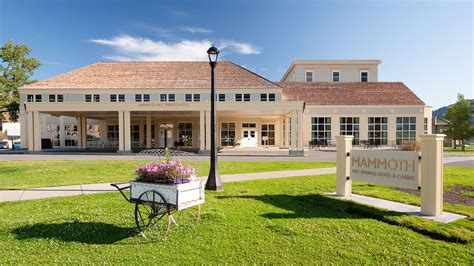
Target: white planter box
pixel 182 196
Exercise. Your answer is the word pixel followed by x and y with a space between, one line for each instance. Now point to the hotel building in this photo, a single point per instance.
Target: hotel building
pixel 127 106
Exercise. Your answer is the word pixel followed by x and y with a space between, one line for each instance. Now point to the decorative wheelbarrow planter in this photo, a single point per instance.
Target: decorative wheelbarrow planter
pixel 154 201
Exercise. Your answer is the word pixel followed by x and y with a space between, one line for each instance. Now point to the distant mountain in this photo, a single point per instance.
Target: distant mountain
pixel 443 110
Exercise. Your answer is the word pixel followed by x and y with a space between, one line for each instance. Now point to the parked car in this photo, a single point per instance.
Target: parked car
pixel 4 145
pixel 17 144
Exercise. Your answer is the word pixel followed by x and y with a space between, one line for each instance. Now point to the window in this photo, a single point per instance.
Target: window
pixel 171 97
pixel 308 75
pixel 163 97
pixel 112 133
pixel 135 132
pixel 38 98
pixel 188 97
pixel 336 76
pixel 364 76
pixel 350 126
pixel 92 98
pixel 185 134
pixel 283 131
pixel 406 129
pixel 146 97
pixel 221 97
pixel 197 97
pixel 268 134
pixel 138 97
pixel 247 97
pixel 321 130
pixel 377 129
pixel 425 125
pixel 113 98
pixel 238 97
pixel 60 98
pixel 121 98
pixel 227 134
pixel 30 98
pixel 52 98
pixel 263 97
pixel 248 125
pixel 271 97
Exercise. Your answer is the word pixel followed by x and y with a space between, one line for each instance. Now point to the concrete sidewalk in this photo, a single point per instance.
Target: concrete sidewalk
pixel 50 192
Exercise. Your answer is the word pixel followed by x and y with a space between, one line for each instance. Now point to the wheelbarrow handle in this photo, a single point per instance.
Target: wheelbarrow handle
pixel 116 185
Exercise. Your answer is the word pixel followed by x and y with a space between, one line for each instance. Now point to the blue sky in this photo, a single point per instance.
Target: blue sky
pixel 425 44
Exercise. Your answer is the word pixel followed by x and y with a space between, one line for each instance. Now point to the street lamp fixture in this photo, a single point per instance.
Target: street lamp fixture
pixel 214 181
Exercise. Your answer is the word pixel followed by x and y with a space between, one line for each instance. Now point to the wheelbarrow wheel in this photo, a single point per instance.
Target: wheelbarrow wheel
pixel 153 214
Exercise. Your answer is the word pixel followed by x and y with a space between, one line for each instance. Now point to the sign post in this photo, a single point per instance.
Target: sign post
pixel 432 174
pixel 343 182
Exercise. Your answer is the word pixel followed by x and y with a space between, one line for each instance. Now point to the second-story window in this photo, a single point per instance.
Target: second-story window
pixel 163 97
pixel 309 75
pixel 271 97
pixel 246 97
pixel 38 98
pixel 364 76
pixel 138 97
pixel 267 97
pixel 30 98
pixel 96 98
pixel 121 98
pixel 113 98
pixel 188 97
pixel 146 97
pixel 221 97
pixel 171 97
pixel 336 76
pixel 197 97
pixel 52 98
pixel 56 98
pixel 59 98
pixel 92 98
pixel 263 97
pixel 238 97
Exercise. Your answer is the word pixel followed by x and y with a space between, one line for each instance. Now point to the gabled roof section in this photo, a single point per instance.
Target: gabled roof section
pixel 350 93
pixel 156 75
pixel 329 62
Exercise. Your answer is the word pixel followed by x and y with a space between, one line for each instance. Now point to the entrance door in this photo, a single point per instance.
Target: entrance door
pixel 166 138
pixel 249 139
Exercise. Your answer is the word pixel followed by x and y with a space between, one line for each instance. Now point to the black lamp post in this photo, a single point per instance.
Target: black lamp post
pixel 214 181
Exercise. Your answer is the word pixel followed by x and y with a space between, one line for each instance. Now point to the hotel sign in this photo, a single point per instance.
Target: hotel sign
pixel 392 168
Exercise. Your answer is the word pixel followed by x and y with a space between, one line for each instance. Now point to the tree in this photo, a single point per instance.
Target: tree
pixel 16 68
pixel 458 115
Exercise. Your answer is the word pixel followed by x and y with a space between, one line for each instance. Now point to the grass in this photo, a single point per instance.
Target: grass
pixel 31 174
pixel 458 150
pixel 276 221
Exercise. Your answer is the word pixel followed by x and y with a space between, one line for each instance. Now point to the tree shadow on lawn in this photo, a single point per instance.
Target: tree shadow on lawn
pixel 82 232
pixel 318 206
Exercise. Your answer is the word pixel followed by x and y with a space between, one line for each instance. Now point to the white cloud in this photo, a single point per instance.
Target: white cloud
pixel 195 29
pixel 128 48
pixel 241 48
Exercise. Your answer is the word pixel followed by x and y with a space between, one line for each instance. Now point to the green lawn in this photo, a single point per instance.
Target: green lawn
pixel 31 174
pixel 458 150
pixel 278 221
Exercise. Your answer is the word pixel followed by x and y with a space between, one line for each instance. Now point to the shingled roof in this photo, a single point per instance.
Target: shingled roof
pixel 352 93
pixel 159 75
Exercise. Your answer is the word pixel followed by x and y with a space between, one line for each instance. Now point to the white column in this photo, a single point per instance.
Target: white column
pixel 299 144
pixel 127 138
pixel 202 131
pixel 432 174
pixel 103 130
pixel 121 131
pixel 148 131
pixel 157 133
pixel 37 131
pixel 84 132
pixel 141 133
pixel 62 132
pixel 343 183
pixel 24 130
pixel 208 130
pixel 31 131
pixel 294 130
pixel 79 132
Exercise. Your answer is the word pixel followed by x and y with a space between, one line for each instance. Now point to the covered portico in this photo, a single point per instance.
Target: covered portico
pixel 131 126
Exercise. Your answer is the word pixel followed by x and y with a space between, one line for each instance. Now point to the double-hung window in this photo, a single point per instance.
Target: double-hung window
pixel 56 98
pixel 52 98
pixel 146 97
pixel 267 97
pixel 138 97
pixel 59 98
pixel 263 97
pixel 246 97
pixel 163 97
pixel 308 75
pixel 336 76
pixel 113 98
pixel 221 97
pixel 38 98
pixel 364 76
pixel 188 97
pixel 197 97
pixel 92 98
pixel 88 98
pixel 238 97
pixel 171 97
pixel 30 98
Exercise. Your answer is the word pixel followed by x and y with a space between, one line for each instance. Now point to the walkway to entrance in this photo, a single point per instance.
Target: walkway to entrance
pixel 50 192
